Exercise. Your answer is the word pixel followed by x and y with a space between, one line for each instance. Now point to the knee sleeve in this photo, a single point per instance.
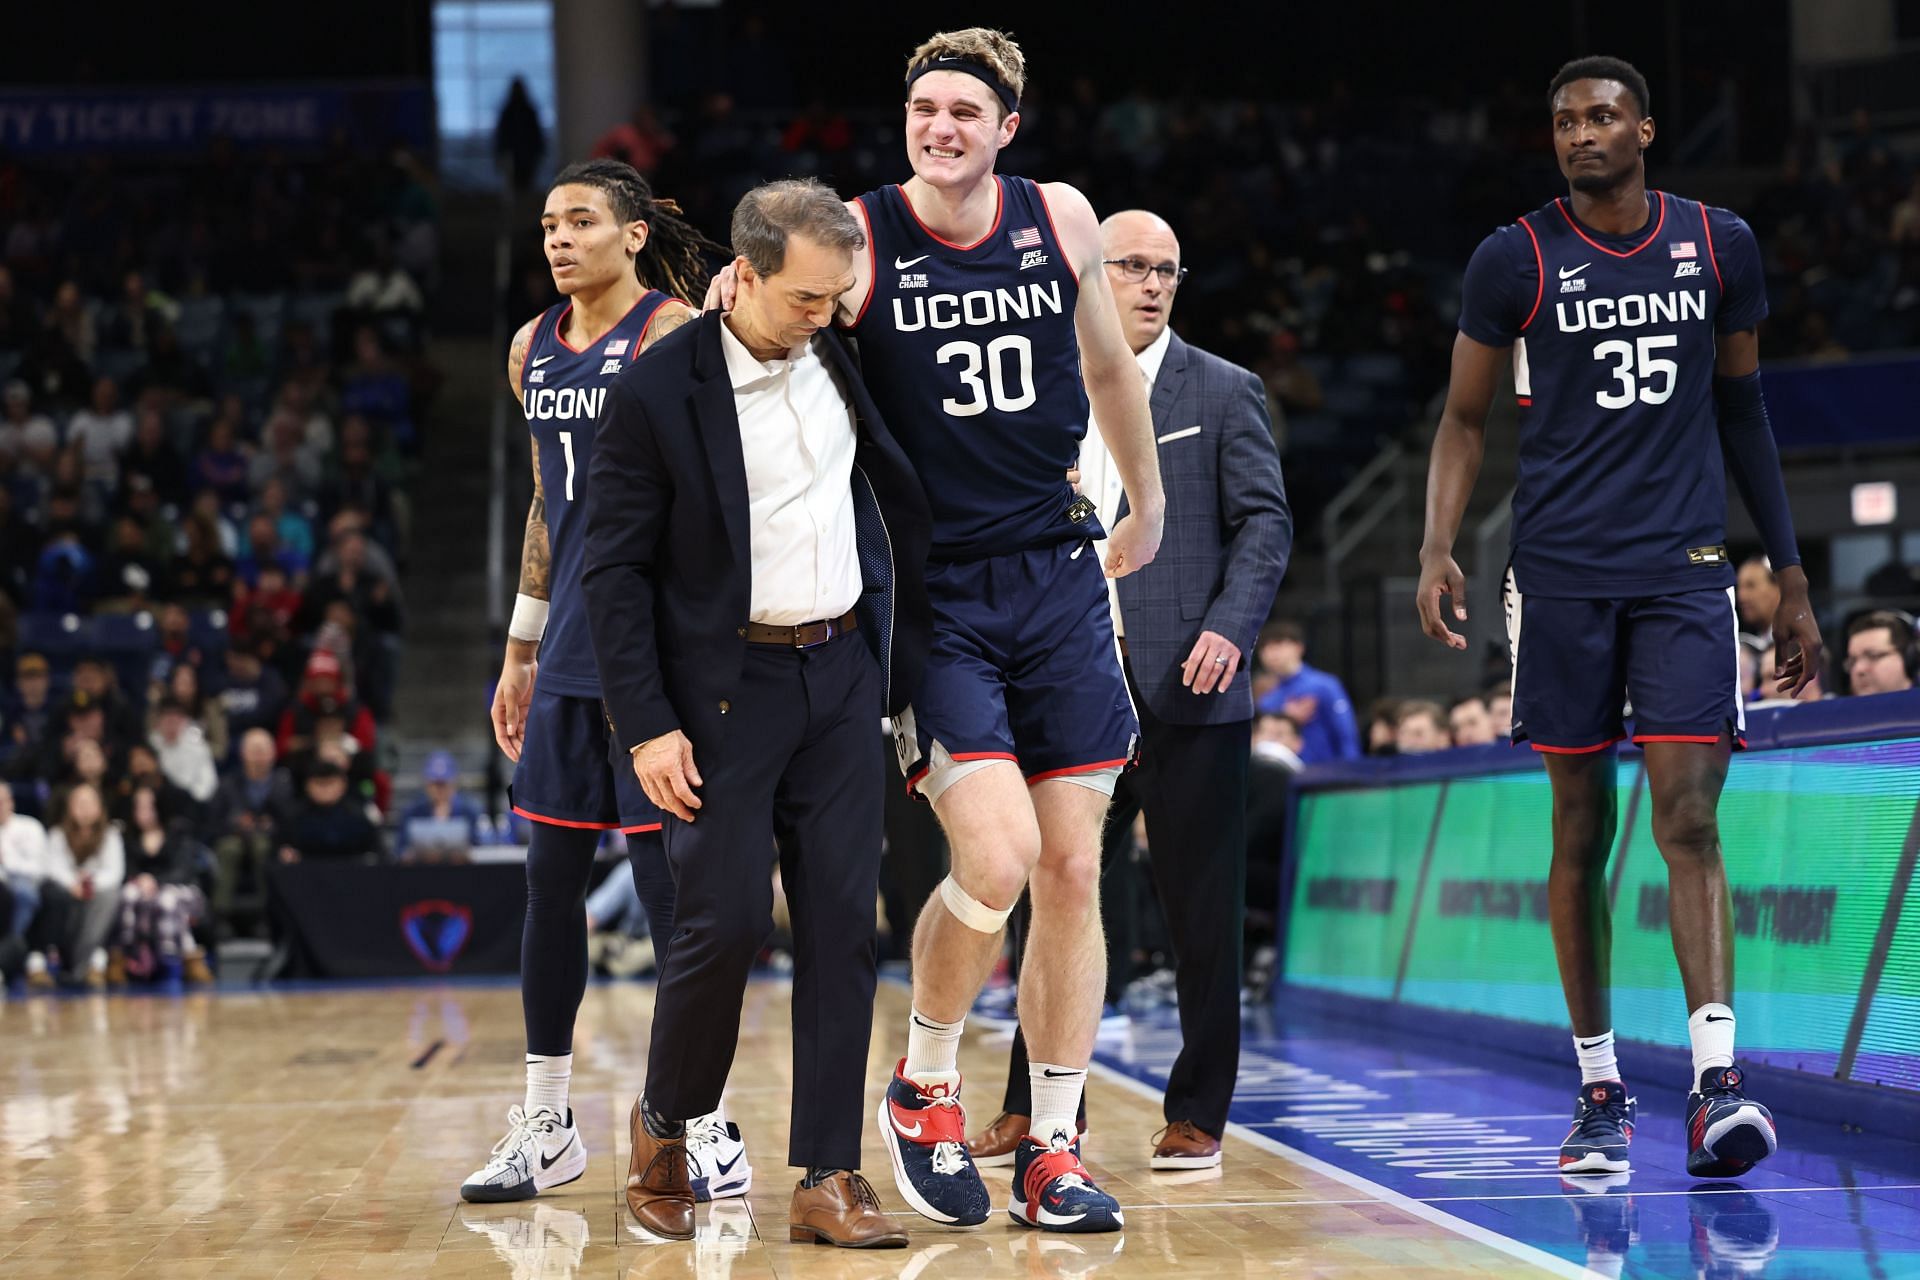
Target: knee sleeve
pixel 969 910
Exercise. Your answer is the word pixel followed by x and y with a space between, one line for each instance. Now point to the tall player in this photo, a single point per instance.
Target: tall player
pixel 982 303
pixel 626 264
pixel 1629 318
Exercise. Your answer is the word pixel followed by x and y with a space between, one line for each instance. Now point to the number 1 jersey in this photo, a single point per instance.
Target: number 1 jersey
pixel 970 353
pixel 1622 487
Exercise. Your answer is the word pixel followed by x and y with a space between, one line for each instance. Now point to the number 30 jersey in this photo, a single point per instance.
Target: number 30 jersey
pixel 1622 487
pixel 970 354
pixel 561 390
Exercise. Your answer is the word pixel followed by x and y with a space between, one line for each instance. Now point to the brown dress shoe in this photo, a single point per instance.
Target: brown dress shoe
pixel 842 1210
pixel 194 969
pixel 659 1183
pixel 993 1146
pixel 1182 1146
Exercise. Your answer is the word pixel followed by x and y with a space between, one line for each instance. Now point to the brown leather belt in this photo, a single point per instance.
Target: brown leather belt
pixel 804 636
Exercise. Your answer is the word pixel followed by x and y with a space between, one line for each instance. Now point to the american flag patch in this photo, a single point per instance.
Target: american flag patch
pixel 618 347
pixel 1680 249
pixel 1026 238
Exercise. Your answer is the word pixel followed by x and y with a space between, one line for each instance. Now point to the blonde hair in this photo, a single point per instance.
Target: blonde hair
pixel 982 44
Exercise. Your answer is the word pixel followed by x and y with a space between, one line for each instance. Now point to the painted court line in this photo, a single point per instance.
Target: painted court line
pixel 1385 1195
pixel 1638 1195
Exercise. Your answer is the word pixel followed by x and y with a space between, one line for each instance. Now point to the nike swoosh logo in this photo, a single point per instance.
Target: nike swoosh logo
pixel 541 360
pixel 1711 1018
pixel 901 264
pixel 728 1166
pixel 1051 1074
pixel 904 1131
pixel 1595 1045
pixel 548 1163
pixel 1566 274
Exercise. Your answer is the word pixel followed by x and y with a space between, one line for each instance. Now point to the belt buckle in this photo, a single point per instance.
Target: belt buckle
pixel 826 628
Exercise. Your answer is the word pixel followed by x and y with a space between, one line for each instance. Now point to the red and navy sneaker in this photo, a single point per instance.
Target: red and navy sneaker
pixel 1052 1190
pixel 926 1137
pixel 1602 1130
pixel 1727 1132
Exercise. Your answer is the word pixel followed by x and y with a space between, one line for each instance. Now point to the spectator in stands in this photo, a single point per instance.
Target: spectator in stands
pixel 328 824
pixel 1383 727
pixel 152 456
pixel 177 647
pixel 253 696
pixel 444 823
pixel 131 321
pixel 252 813
pixel 1422 727
pixel 87 858
pixel 28 717
pixel 129 573
pixel 244 359
pixel 171 373
pixel 39 457
pixel 16 315
pixel 1758 598
pixel 1499 700
pixel 184 755
pixel 222 465
pixel 142 769
pixel 23 865
pixel 266 608
pixel 294 530
pixel 287 458
pixel 19 416
pixel 63 576
pixel 161 901
pixel 1315 699
pixel 1469 722
pixel 182 688
pixel 375 386
pixel 357 485
pixel 262 547
pixel 518 141
pixel 202 576
pixel 19 540
pixel 1881 653
pixel 101 432
pixel 1277 739
pixel 640 140
pixel 323 692
pixel 1291 384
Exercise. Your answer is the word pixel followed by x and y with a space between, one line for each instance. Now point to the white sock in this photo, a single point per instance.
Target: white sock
pixel 1056 1101
pixel 1596 1058
pixel 548 1078
pixel 1710 1027
pixel 933 1050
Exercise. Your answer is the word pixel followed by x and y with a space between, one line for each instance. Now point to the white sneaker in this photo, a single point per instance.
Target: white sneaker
pixel 542 1150
pixel 546 1240
pixel 717 1158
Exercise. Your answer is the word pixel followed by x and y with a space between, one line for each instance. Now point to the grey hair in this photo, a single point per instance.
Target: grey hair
pixel 772 212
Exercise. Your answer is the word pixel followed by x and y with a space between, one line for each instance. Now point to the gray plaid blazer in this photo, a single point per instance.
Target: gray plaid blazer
pixel 1228 536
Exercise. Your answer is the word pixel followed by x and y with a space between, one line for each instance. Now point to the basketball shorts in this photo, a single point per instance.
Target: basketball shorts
pixel 572 772
pixel 1581 666
pixel 1022 667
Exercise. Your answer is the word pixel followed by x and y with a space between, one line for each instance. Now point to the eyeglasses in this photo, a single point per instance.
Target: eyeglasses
pixel 1135 270
pixel 1870 655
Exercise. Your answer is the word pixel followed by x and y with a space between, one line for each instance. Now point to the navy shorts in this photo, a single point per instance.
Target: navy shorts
pixel 1022 667
pixel 1581 667
pixel 572 773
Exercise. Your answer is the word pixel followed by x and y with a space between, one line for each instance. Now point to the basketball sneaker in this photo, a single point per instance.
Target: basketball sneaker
pixel 1609 1220
pixel 1734 1236
pixel 542 1150
pixel 546 1240
pixel 717 1158
pixel 1052 1190
pixel 926 1136
pixel 1727 1132
pixel 1602 1129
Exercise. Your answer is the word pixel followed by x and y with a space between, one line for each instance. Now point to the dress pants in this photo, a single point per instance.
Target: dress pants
pixel 793 759
pixel 1192 782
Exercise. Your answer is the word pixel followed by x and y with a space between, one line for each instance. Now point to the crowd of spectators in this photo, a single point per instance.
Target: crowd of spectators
pixel 211 380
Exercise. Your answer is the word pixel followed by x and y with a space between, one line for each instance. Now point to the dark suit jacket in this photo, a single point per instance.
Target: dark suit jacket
pixel 1228 534
pixel 668 574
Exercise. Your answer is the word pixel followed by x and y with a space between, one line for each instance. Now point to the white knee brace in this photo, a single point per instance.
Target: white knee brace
pixel 969 910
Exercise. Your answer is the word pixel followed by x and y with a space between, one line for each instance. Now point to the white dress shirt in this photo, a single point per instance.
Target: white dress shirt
pixel 1100 478
pixel 797 436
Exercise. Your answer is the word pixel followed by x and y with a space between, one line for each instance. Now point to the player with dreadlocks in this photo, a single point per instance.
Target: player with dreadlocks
pixel 626 263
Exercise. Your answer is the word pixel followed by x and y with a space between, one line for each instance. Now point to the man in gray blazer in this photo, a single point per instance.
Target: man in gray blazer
pixel 1186 624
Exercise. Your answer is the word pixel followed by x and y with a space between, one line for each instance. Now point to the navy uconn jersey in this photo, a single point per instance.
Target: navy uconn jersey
pixel 562 390
pixel 970 354
pixel 1622 487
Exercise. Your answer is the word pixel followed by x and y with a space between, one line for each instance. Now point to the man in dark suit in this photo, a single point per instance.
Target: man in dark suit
pixel 1186 625
pixel 747 509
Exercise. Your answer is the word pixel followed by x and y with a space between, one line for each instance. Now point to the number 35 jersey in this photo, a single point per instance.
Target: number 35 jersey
pixel 969 352
pixel 1622 487
pixel 561 389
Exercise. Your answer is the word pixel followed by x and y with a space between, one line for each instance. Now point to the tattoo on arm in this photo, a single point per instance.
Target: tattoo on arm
pixel 517 360
pixel 670 317
pixel 536 552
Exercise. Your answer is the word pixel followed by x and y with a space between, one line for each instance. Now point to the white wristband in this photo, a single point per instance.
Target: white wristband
pixel 529 619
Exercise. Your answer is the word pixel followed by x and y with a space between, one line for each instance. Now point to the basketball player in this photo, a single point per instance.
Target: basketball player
pixel 982 303
pixel 608 240
pixel 979 305
pixel 1629 318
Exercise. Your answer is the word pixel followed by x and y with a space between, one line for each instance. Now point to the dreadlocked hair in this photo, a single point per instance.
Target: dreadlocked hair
pixel 676 258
